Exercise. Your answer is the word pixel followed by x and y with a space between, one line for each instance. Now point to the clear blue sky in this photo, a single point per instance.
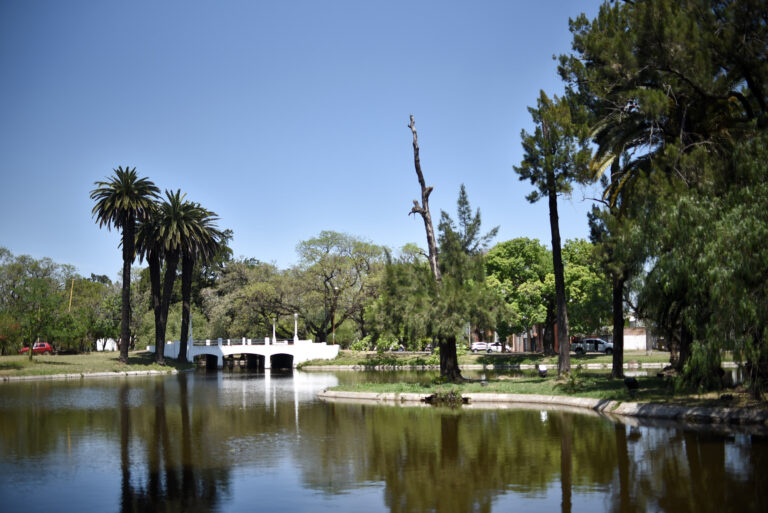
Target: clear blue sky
pixel 284 117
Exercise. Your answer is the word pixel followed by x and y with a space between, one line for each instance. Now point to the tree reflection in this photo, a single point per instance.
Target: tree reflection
pixel 179 438
pixel 566 463
pixel 623 503
pixel 176 478
pixel 125 463
pixel 430 459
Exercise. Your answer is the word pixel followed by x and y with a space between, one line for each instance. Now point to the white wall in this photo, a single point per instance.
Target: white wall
pixel 106 344
pixel 634 339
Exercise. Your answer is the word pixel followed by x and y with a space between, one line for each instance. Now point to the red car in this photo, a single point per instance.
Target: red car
pixel 38 348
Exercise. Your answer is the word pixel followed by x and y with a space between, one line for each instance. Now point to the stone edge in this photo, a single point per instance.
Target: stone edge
pixel 474 366
pixel 84 375
pixel 648 410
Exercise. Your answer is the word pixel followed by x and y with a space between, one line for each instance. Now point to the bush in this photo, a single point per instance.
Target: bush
pixel 702 372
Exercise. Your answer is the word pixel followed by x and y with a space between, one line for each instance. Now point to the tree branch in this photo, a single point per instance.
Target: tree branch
pixel 423 209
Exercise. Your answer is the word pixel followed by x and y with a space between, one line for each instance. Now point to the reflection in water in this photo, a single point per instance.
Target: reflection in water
pixel 240 441
pixel 566 438
pixel 174 480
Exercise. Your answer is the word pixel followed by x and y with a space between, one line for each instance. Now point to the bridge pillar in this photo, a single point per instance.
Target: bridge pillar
pixel 267 361
pixel 220 361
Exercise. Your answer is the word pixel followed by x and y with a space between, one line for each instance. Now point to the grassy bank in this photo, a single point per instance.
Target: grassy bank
pixel 597 386
pixel 372 359
pixel 580 384
pixel 19 365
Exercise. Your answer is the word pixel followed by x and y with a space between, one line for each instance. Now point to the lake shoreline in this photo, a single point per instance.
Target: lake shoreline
pixel 695 414
pixel 84 375
pixel 491 366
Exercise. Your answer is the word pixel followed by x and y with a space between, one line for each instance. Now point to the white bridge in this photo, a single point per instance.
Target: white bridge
pixel 271 353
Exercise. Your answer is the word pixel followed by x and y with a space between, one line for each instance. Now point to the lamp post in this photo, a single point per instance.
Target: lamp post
pixel 333 317
pixel 274 321
pixel 295 328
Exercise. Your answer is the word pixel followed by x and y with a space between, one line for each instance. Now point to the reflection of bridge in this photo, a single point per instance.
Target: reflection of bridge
pixel 263 355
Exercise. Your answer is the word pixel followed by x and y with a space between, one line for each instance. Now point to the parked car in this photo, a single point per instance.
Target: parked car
pixel 38 348
pixel 496 348
pixel 479 346
pixel 591 344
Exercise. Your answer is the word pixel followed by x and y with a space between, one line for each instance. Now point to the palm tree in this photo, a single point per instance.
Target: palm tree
pixel 179 228
pixel 121 201
pixel 202 247
pixel 150 246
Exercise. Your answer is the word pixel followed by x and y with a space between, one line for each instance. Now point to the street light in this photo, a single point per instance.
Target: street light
pixel 274 321
pixel 333 317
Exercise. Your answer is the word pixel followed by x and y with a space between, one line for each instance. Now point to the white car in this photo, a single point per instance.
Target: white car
pixel 496 348
pixel 479 346
pixel 584 345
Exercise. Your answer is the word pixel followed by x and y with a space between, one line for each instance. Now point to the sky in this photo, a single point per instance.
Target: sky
pixel 286 118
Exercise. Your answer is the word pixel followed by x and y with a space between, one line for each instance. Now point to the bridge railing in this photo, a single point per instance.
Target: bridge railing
pixel 241 342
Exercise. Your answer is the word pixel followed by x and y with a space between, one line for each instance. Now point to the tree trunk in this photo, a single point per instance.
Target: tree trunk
pixel 153 259
pixel 686 340
pixel 423 209
pixel 171 262
pixel 449 361
pixel 539 338
pixel 617 370
pixel 187 265
pixel 564 358
pixel 129 233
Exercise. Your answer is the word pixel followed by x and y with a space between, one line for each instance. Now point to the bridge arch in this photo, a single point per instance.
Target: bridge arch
pixel 255 361
pixel 281 361
pixel 209 361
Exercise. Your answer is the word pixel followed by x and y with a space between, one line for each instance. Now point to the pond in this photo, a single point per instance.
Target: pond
pixel 235 441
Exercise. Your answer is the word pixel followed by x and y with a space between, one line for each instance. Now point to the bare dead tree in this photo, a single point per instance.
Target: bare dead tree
pixel 423 208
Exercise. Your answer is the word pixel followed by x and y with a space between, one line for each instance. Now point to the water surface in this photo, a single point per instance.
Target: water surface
pixel 234 441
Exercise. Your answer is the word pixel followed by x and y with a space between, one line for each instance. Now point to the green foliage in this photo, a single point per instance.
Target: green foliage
pixel 414 309
pixel 587 288
pixel 337 276
pixel 121 202
pixel 466 236
pixel 702 371
pixel 451 398
pixel 520 272
pixel 555 154
pixel 516 271
pixel 572 383
pixel 675 95
pixel 364 344
pixel 35 304
pixel 145 334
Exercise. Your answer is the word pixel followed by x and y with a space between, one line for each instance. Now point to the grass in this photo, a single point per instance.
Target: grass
pixel 594 385
pixel 19 365
pixel 598 386
pixel 371 359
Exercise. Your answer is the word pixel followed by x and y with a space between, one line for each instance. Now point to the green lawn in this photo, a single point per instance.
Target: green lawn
pixel 370 358
pixel 19 365
pixel 598 386
pixel 581 384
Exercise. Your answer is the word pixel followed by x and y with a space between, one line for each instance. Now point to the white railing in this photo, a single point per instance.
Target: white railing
pixel 243 342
